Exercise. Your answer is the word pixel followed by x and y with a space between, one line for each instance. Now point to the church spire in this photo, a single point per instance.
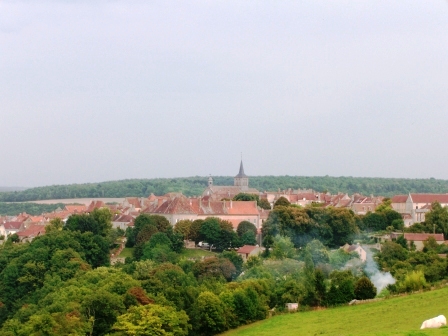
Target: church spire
pixel 241 180
pixel 241 173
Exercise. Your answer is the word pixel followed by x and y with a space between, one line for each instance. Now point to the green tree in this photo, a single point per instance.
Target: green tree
pixel 227 236
pixel 385 206
pixel 210 230
pixel 208 315
pixel 246 197
pixel 195 230
pixel 364 289
pixel 393 216
pixel 56 224
pixel 183 227
pixel 235 259
pixel 342 288
pixel 282 201
pixel 374 221
pixel 318 252
pixel 264 204
pixel 290 222
pixel 282 248
pixel 244 227
pixel 248 238
pixel 401 240
pixel 437 218
pixel 430 245
pixel 343 226
pixel 391 252
pixel 99 222
pixel 153 320
pixel 320 287
pixel 216 268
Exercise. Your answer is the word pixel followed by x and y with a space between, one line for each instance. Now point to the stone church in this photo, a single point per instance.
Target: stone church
pixel 240 185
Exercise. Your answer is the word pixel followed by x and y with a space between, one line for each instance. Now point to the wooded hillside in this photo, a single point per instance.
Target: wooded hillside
pixel 192 186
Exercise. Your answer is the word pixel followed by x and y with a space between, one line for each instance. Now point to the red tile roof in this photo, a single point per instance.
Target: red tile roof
pixel 176 205
pixel 429 198
pixel 246 249
pixel 75 208
pixel 32 231
pixel 95 205
pixel 123 218
pixel 12 225
pixel 134 201
pixel 58 214
pixel 399 199
pixel 423 236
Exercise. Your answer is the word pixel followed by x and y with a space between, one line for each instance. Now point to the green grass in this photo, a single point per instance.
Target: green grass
pixel 196 253
pixel 127 252
pixel 395 316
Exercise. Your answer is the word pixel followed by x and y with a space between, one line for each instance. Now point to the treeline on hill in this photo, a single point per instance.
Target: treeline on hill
pixel 193 186
pixel 34 209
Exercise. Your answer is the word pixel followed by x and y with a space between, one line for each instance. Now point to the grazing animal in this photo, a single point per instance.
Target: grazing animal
pixel 435 322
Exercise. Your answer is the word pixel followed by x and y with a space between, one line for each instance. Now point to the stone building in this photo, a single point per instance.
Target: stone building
pixel 240 185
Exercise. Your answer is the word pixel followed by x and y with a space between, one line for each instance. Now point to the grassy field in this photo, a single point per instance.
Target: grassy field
pixel 127 252
pixel 395 316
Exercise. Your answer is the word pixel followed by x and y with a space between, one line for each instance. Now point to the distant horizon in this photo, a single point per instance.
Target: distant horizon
pixel 18 188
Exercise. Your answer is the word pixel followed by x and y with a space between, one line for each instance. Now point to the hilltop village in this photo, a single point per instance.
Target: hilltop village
pixel 176 265
pixel 218 201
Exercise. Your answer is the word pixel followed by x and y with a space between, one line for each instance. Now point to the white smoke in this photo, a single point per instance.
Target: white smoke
pixel 379 279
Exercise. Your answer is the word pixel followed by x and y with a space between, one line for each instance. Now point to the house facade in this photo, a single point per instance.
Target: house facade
pixel 414 207
pixel 419 238
pixel 178 207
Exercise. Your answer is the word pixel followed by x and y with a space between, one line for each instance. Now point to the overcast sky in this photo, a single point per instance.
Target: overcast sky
pixel 94 91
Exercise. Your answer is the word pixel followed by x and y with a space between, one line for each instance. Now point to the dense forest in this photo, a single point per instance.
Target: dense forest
pixel 12 209
pixel 192 186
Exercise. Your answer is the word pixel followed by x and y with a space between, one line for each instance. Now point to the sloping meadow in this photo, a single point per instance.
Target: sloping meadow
pixel 395 316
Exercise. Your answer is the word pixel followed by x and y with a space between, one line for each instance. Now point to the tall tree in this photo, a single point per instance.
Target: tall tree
pixel 210 230
pixel 153 320
pixel 437 218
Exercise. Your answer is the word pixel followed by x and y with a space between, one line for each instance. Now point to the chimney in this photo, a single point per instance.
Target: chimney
pixel 231 204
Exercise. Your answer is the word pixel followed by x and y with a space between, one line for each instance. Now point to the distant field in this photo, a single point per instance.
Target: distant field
pixel 395 316
pixel 127 252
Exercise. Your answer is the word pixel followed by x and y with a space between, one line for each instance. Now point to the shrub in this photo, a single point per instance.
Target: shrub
pixel 413 281
pixel 364 289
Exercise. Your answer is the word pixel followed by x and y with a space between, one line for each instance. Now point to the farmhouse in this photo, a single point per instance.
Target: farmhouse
pixel 356 248
pixel 249 250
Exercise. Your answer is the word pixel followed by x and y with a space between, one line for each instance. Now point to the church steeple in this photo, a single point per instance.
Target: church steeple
pixel 241 180
pixel 241 173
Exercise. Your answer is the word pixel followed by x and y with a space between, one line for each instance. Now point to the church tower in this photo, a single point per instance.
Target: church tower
pixel 210 181
pixel 241 180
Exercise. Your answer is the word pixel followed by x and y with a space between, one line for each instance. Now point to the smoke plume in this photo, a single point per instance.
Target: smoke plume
pixel 379 279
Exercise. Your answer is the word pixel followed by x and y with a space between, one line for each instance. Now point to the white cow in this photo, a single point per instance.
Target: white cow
pixel 435 322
